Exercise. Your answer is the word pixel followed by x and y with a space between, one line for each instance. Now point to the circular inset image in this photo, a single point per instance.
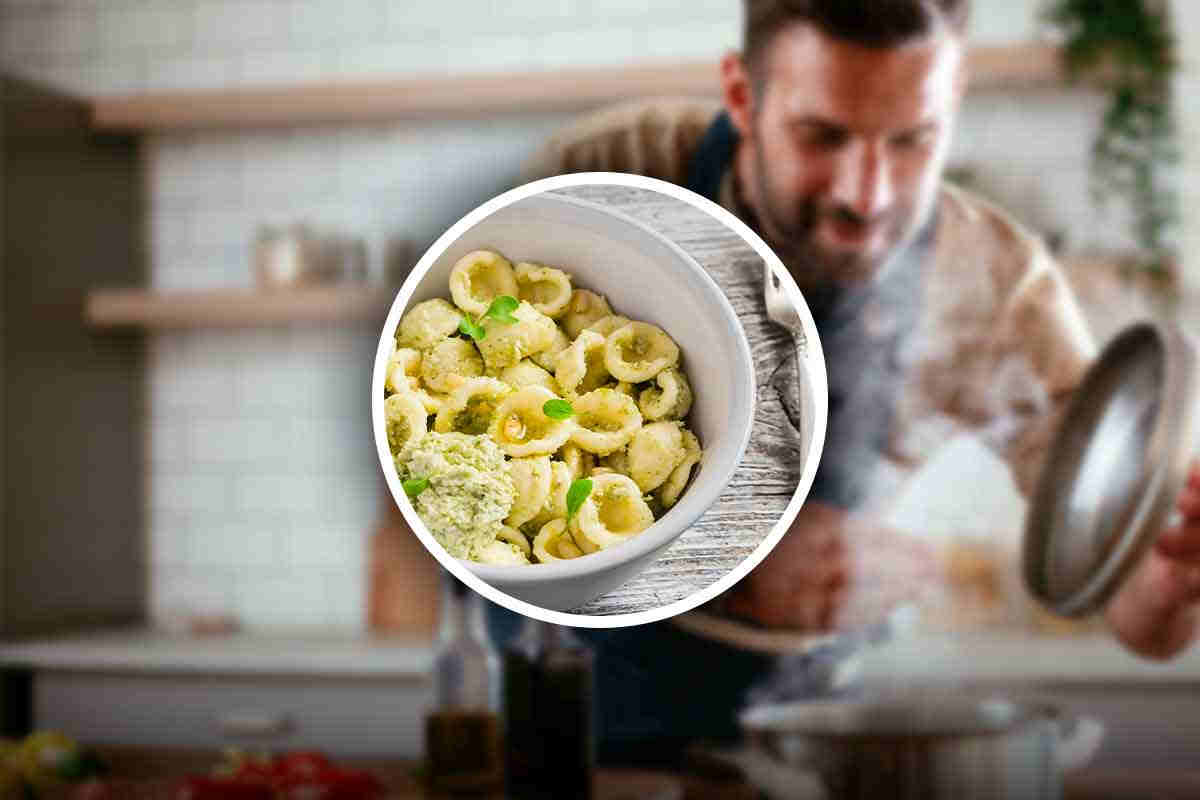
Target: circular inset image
pixel 599 400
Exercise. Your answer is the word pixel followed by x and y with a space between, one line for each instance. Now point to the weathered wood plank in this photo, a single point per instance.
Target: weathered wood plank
pixel 767 478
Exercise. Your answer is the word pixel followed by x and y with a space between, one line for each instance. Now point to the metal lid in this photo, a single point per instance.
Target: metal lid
pixel 1117 464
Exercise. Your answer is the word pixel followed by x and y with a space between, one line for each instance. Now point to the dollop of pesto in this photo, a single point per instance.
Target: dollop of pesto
pixel 469 493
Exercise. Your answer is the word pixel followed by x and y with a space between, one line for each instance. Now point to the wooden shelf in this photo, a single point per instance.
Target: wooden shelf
pixel 995 67
pixel 236 308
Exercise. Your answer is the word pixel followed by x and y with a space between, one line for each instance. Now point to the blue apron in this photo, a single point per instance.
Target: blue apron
pixel 659 688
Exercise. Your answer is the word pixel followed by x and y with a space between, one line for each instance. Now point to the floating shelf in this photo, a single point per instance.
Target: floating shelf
pixel 236 308
pixel 1025 65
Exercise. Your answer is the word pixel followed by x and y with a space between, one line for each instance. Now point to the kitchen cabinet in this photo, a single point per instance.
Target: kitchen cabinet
pixel 71 426
pixel 342 716
pixel 347 695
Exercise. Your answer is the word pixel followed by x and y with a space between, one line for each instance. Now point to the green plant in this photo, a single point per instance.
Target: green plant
pixel 1129 46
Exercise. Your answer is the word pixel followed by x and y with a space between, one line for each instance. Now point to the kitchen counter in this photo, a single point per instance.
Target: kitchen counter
pixel 1018 658
pixel 304 654
pixel 916 659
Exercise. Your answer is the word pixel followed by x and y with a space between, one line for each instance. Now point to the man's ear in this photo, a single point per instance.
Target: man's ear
pixel 737 91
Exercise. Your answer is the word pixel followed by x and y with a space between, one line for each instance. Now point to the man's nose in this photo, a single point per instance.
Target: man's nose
pixel 863 184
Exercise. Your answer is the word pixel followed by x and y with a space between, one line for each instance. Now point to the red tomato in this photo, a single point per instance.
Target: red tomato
pixel 204 788
pixel 333 783
pixel 253 769
pixel 300 763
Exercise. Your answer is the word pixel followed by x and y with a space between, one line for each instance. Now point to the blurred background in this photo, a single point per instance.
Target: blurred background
pixel 257 174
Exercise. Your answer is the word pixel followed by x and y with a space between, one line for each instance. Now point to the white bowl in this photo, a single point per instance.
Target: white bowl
pixel 645 277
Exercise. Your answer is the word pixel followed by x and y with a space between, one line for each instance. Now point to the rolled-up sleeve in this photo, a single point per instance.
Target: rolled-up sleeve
pixel 1041 330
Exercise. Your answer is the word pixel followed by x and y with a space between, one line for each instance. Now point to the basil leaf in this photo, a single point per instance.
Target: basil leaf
pixel 501 309
pixel 471 328
pixel 579 491
pixel 558 409
pixel 414 486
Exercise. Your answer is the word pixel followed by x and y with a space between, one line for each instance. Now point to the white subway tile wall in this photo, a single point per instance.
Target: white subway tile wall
pixel 263 483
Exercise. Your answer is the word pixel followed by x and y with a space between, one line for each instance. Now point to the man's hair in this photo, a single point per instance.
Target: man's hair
pixel 871 23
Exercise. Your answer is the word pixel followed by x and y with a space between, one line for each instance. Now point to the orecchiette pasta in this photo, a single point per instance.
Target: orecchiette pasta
pixel 480 277
pixel 554 543
pixel 505 344
pixel 548 359
pixel 668 493
pixel 405 420
pixel 427 324
pixel 606 325
pixel 521 427
pixel 581 366
pixel 547 289
pixel 515 537
pixel 403 369
pixel 527 373
pixel 638 352
pixel 617 460
pixel 612 513
pixel 584 309
pixel 654 451
pixel 472 406
pixel 433 403
pixel 450 362
pixel 531 481
pixel 605 420
pixel 502 553
pixel 556 503
pixel 502 459
pixel 580 462
pixel 671 399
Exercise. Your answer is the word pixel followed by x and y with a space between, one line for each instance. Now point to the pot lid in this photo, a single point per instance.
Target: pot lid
pixel 1116 466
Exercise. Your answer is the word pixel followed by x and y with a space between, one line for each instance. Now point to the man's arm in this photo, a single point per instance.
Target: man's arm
pixel 1042 352
pixel 1155 612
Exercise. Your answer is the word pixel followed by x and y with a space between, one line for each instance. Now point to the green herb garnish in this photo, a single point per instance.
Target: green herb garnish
pixel 579 491
pixel 558 409
pixel 501 309
pixel 414 486
pixel 471 328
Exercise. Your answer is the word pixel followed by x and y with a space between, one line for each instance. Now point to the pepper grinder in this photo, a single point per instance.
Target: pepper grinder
pixel 462 734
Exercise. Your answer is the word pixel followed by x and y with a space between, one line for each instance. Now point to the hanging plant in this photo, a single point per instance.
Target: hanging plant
pixel 1128 45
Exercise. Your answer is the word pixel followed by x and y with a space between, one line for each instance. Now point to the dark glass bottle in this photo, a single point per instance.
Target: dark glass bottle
pixel 548 714
pixel 462 733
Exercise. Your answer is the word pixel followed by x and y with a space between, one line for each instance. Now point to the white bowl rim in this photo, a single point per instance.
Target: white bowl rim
pixel 477 575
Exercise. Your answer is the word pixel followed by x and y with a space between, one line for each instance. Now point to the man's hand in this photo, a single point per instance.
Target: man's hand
pixel 1155 613
pixel 833 570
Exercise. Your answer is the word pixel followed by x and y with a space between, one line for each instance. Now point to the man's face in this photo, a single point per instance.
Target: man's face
pixel 844 147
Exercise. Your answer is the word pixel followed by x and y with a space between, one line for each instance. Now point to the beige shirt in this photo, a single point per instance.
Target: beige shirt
pixel 1000 341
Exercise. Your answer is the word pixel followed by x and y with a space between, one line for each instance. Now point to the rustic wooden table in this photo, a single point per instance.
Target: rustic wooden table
pixel 770 471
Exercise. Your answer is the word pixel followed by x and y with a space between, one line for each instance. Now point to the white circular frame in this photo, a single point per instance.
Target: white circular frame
pixel 814 365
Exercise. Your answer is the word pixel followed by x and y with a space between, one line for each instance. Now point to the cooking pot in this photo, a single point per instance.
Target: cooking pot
pixel 942 747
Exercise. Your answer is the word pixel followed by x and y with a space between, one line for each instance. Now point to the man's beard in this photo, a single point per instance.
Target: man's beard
pixel 794 237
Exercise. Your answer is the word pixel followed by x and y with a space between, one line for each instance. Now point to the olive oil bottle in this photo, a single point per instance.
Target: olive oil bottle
pixel 462 733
